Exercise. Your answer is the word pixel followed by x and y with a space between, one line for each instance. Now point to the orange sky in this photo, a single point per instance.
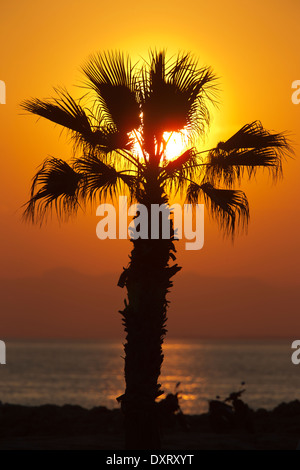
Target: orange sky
pixel 253 48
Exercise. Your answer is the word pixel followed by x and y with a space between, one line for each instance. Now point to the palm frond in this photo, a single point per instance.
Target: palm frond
pixel 254 136
pixel 112 77
pixel 86 130
pixel 199 87
pixel 229 167
pixel 56 186
pixel 249 149
pixel 228 207
pixel 63 110
pixel 100 179
pixel 173 95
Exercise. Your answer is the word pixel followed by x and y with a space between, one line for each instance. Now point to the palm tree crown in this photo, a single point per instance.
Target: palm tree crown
pixel 136 105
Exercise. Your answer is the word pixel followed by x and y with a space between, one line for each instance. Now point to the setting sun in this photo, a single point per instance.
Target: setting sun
pixel 175 143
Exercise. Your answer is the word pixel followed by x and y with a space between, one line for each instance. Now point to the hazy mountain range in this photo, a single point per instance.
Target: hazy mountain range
pixel 66 303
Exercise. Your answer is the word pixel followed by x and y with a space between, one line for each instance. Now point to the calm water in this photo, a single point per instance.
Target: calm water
pixel 91 373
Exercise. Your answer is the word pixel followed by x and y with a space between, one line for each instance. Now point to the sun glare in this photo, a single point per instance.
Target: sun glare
pixel 175 144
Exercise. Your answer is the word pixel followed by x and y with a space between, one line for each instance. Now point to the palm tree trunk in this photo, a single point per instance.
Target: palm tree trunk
pixel 147 280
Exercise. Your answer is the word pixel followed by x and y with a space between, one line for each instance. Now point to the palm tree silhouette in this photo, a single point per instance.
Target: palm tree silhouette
pixel 136 105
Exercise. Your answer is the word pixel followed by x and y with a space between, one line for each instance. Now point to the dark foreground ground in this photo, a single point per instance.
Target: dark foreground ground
pixel 73 427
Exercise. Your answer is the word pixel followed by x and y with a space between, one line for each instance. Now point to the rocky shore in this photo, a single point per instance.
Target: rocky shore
pixel 73 427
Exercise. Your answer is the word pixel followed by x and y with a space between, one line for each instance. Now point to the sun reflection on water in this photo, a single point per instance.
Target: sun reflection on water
pixel 91 373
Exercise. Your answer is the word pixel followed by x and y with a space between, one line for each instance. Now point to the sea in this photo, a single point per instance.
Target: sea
pixel 90 373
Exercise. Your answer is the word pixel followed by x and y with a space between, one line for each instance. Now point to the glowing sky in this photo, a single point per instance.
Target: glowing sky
pixel 253 48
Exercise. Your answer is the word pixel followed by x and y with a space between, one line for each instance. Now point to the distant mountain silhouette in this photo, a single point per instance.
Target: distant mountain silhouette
pixel 65 303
